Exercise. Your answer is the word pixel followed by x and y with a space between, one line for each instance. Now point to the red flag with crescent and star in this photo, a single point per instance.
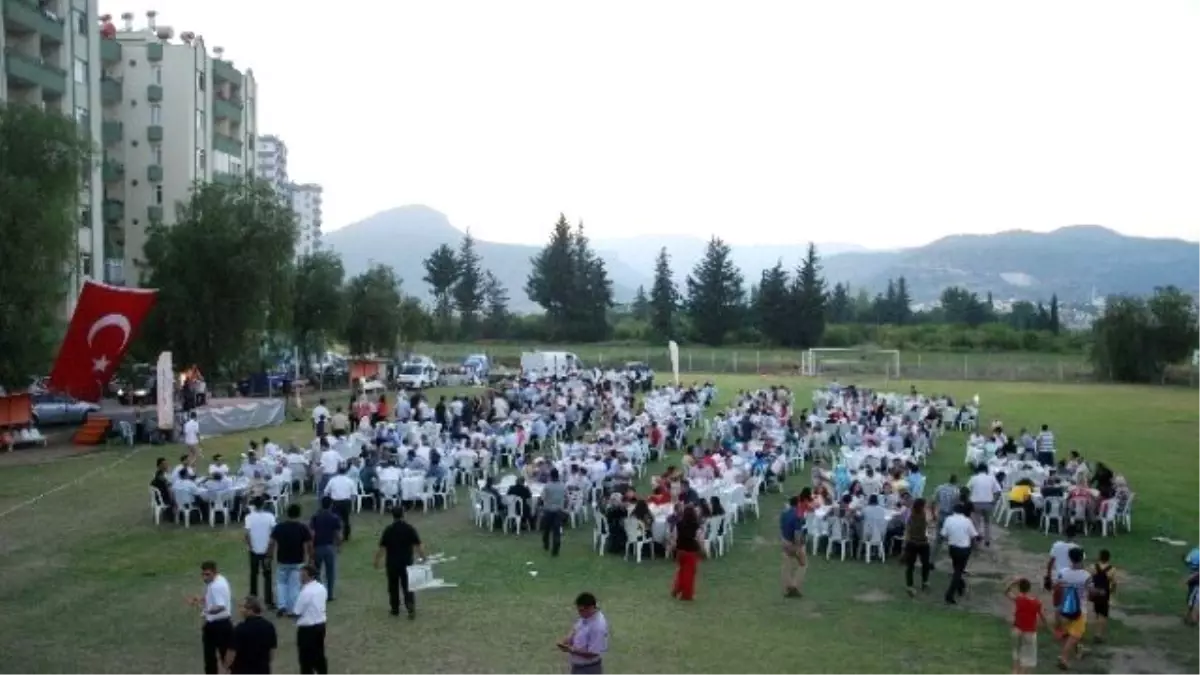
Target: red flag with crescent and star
pixel 105 320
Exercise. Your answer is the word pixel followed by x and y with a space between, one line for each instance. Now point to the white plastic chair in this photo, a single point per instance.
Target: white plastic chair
pixel 1010 513
pixel 576 509
pixel 157 505
pixel 222 503
pixel 1079 515
pixel 1108 517
pixel 1052 514
pixel 637 538
pixel 600 533
pixel 836 536
pixel 361 495
pixel 514 514
pixel 818 529
pixel 873 540
pixel 484 506
pixel 185 506
pixel 713 541
pixel 389 494
pixel 752 493
pixel 1125 515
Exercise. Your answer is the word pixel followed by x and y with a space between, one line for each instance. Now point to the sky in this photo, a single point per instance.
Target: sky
pixel 879 123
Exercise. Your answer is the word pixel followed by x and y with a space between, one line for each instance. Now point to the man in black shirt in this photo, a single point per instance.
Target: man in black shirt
pixel 397 544
pixel 254 642
pixel 292 547
pixel 162 483
pixel 326 529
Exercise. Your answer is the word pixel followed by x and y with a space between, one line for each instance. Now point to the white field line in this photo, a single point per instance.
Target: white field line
pixel 94 472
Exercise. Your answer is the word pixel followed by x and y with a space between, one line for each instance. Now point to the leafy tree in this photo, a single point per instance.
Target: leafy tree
pixel 374 314
pixel 1136 339
pixel 840 308
pixel 441 273
pixel 468 289
pixel 551 280
pixel 497 317
pixel 318 302
pixel 1054 326
pixel 224 274
pixel 963 307
pixel 808 302
pixel 593 289
pixel 640 307
pixel 773 303
pixel 42 158
pixel 902 303
pixel 664 298
pixel 715 294
pixel 415 322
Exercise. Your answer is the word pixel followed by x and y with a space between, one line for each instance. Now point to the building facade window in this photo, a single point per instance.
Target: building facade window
pixel 81 71
pixel 156 153
pixel 85 264
pixel 155 114
pixel 201 162
pixel 156 71
pixel 79 18
pixel 158 195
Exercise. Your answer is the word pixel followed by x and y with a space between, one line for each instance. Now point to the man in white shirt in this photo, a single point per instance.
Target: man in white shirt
pixel 984 490
pixel 959 533
pixel 329 461
pixel 218 466
pixel 216 605
pixel 341 489
pixel 191 435
pixel 310 622
pixel 318 412
pixel 259 524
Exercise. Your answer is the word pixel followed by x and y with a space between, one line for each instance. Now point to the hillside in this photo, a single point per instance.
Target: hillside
pixel 403 237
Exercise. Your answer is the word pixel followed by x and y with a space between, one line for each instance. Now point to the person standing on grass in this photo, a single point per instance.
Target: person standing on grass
pixel 310 623
pixel 341 489
pixel 916 546
pixel 191 436
pixel 1075 586
pixel 326 529
pixel 944 499
pixel 795 559
pixel 985 489
pixel 587 643
pixel 554 504
pixel 217 605
pixel 959 533
pixel 291 547
pixel 254 642
pixel 1104 585
pixel 1027 612
pixel 687 554
pixel 259 525
pixel 396 545
pixel 1060 559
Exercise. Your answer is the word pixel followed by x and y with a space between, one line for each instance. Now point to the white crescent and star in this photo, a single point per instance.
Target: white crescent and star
pixel 119 321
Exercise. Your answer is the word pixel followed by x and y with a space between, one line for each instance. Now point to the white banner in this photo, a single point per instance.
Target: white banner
pixel 673 348
pixel 165 384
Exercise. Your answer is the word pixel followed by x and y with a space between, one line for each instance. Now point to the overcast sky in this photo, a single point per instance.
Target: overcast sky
pixel 880 123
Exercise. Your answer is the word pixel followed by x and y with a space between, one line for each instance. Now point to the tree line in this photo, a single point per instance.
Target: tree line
pixel 233 295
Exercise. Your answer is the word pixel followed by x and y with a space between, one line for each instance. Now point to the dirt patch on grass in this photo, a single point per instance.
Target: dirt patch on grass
pixel 1137 660
pixel 1146 622
pixel 873 596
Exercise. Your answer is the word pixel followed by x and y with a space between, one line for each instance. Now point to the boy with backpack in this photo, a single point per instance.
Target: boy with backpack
pixel 1027 613
pixel 1104 584
pixel 1073 586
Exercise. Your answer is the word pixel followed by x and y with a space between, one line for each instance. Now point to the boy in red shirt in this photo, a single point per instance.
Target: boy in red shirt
pixel 1027 612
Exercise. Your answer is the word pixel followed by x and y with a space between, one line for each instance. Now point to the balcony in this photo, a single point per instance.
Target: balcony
pixel 227 108
pixel 154 51
pixel 110 89
pixel 112 132
pixel 34 72
pixel 114 271
pixel 227 145
pixel 114 211
pixel 24 16
pixel 110 50
pixel 223 71
pixel 154 173
pixel 224 178
pixel 154 93
pixel 154 214
pixel 154 133
pixel 113 171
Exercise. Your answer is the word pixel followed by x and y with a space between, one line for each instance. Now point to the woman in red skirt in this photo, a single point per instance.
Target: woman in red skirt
pixel 687 554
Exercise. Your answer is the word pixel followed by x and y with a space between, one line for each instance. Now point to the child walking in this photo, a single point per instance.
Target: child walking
pixel 1027 615
pixel 1104 585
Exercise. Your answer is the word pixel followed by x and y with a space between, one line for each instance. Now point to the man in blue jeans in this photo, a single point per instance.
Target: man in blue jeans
pixel 326 529
pixel 291 546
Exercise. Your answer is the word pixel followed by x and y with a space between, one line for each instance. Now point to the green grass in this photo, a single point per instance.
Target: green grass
pixel 925 365
pixel 91 584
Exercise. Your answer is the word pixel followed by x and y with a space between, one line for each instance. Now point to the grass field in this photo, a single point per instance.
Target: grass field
pixel 91 584
pixel 1011 366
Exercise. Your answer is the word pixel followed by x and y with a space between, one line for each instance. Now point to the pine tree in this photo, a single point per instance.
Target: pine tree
pixel 903 303
pixel 664 298
pixel 808 302
pixel 551 280
pixel 1054 320
pixel 841 308
pixel 715 294
pixel 441 273
pixel 640 307
pixel 772 304
pixel 468 289
pixel 496 315
pixel 593 291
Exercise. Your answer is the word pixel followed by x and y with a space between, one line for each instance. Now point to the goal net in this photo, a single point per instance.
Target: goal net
pixel 851 361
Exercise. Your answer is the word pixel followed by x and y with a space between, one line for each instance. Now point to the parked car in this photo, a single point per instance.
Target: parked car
pixel 51 409
pixel 146 394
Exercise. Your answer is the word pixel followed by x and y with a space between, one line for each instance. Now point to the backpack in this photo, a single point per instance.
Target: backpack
pixel 1101 582
pixel 1071 608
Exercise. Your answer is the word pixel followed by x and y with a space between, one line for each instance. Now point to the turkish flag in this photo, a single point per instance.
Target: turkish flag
pixel 105 320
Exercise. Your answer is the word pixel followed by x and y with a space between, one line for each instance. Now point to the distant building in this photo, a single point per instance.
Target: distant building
pixel 306 203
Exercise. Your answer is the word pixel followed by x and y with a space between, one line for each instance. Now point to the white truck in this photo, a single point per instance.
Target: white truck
pixel 550 364
pixel 418 375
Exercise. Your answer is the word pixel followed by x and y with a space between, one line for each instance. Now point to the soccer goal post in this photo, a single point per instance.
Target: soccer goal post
pixel 821 361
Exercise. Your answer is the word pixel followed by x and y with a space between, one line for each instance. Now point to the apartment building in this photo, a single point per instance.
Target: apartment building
pixel 175 113
pixel 51 54
pixel 304 198
pixel 306 203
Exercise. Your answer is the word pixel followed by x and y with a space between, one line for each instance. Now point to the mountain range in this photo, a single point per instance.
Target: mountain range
pixel 1075 262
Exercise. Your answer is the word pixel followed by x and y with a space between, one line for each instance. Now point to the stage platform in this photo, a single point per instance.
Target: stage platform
pixel 218 417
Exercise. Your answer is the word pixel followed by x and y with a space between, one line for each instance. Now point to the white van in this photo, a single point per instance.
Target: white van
pixel 550 364
pixel 418 375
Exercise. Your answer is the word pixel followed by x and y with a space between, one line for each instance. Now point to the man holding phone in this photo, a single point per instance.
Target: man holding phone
pixel 588 640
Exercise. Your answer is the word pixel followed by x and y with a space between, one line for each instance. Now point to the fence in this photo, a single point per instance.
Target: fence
pixel 1011 366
